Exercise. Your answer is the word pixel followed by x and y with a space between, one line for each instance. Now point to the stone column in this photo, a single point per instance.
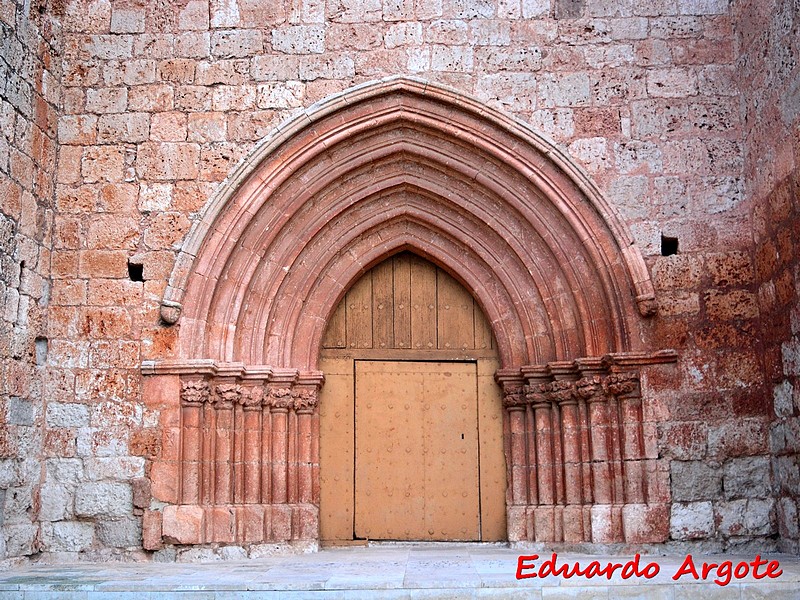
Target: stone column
pixel 251 439
pixel 516 450
pixel 606 520
pixel 591 390
pixel 194 395
pixel 566 396
pixel 280 400
pixel 305 403
pixel 226 396
pixel 624 387
pixel 544 513
pixel 306 399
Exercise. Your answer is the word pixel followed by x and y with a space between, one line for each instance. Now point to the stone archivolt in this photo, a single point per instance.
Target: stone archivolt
pixel 386 167
pixel 398 165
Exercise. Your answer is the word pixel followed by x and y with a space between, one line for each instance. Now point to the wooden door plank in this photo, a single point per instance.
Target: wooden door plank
pixel 383 305
pixel 388 451
pixel 359 314
pixel 484 339
pixel 423 304
pixel 336 332
pixel 402 301
pixel 455 321
pixel 337 450
pixel 492 462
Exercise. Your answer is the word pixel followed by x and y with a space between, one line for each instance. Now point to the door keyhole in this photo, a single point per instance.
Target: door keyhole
pixel 462 436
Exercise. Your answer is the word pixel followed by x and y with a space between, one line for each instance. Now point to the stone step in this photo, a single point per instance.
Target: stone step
pixel 399 571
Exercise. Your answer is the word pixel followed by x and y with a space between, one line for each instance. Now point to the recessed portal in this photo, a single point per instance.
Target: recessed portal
pixel 411 419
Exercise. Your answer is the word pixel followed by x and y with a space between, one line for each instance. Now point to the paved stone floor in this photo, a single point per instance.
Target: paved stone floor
pixel 393 572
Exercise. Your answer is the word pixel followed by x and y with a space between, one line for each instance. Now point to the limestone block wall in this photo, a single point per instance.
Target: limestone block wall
pixel 146 107
pixel 30 73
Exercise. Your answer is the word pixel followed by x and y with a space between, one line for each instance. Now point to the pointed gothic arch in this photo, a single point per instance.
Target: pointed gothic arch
pixel 385 166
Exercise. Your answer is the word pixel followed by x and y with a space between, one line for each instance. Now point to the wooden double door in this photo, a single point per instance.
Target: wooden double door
pixel 410 415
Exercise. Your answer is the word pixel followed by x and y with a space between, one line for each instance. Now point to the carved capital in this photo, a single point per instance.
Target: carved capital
pixel 538 394
pixel 195 392
pixel 563 391
pixel 622 384
pixel 305 400
pixel 591 388
pixel 227 394
pixel 514 397
pixel 252 398
pixel 279 398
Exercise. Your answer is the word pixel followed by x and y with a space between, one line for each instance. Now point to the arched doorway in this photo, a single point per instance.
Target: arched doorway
pixel 411 419
pixel 390 166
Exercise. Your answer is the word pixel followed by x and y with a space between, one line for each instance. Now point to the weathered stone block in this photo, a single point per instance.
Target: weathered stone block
pixel 68 536
pixel 151 530
pixel 67 415
pixel 210 127
pixel 456 59
pixel 237 43
pixel 280 95
pixel 747 437
pixel 299 39
pixel 183 524
pixel 645 523
pixel 123 468
pixel 171 126
pixel 127 20
pixel 64 470
pixel 690 521
pixel 568 89
pixel 787 514
pixel 326 67
pixel 22 539
pixel 782 395
pixel 106 100
pixel 55 502
pixel 103 499
pixel 194 16
pixel 749 477
pixel 19 411
pixel 167 161
pixel 746 517
pixel 683 441
pixel 127 127
pixel 120 533
pixel 103 163
pixel 606 524
pixel 152 97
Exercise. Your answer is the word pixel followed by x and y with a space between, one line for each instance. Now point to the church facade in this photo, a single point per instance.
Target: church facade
pixel 279 275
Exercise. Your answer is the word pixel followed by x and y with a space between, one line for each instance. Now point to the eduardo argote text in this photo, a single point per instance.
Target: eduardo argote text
pixel 720 573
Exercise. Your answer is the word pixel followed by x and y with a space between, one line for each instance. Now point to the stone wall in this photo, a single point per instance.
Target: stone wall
pixel 768 47
pixel 30 73
pixel 161 100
